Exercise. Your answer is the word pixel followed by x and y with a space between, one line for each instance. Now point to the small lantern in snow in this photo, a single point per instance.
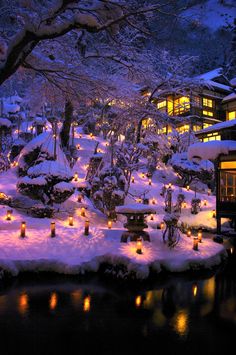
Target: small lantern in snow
pixel 76 177
pixel 162 225
pixel 189 233
pixel 9 215
pixel 187 187
pixel 109 224
pixel 132 179
pixel 82 213
pixel 86 227
pixel 213 213
pixel 23 229
pixel 195 243
pixel 205 202
pixel 71 221
pixel 53 229
pixel 143 175
pixel 79 198
pixel 139 246
pixel 149 181
pixel 151 217
pixel 199 235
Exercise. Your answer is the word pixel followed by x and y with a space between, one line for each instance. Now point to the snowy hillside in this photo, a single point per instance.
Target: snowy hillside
pixel 213 14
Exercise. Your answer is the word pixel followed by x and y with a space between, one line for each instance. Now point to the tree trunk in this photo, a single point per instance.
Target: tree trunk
pixel 65 131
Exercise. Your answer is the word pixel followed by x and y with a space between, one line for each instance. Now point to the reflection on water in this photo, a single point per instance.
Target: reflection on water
pixel 23 303
pixel 180 313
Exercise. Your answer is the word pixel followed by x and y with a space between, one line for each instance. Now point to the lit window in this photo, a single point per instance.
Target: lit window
pixel 161 104
pixel 207 113
pixel 212 138
pixel 232 115
pixel 205 125
pixel 196 128
pixel 228 165
pixel 181 105
pixel 207 102
pixel 182 129
pixel 170 108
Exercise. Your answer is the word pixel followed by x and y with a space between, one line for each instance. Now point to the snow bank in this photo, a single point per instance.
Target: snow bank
pixel 71 252
pixel 211 150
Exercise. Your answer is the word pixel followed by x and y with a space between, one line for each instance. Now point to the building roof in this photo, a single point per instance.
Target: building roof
pixel 230 97
pixel 217 127
pixel 212 78
pixel 211 150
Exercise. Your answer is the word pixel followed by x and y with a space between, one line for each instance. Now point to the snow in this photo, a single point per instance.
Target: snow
pixel 211 150
pixel 5 122
pixel 181 160
pixel 218 126
pixel 50 168
pixel 208 78
pixel 71 252
pixel 230 97
pixel 34 181
pixel 212 13
pixel 63 186
pixel 135 208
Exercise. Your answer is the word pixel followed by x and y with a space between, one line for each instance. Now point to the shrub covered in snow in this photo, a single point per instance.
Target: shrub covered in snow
pixel 41 211
pixel 192 170
pixel 44 178
pixel 107 190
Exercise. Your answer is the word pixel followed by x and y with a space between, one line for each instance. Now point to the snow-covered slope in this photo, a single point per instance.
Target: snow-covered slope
pixel 213 14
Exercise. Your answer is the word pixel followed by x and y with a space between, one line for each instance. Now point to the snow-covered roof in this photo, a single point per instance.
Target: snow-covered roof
pixel 211 74
pixel 10 108
pixel 209 77
pixel 135 209
pixel 218 126
pixel 233 82
pixel 211 150
pixel 230 97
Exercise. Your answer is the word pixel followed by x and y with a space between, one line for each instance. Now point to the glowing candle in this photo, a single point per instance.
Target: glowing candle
pixel 162 225
pixel 205 202
pixel 184 204
pixel 9 212
pixel 53 229
pixel 86 306
pixel 195 243
pixel 23 229
pixel 213 213
pixel 151 217
pixel 149 181
pixel 189 233
pixel 139 246
pixel 132 179
pixel 53 301
pixel 195 290
pixel 109 224
pixel 107 144
pixel 76 177
pixel 143 175
pixel 78 146
pixel 187 187
pixel 138 301
pixel 82 212
pixel 79 198
pixel 153 201
pixel 71 221
pixel 80 135
pixel 199 235
pixel 86 227
pixel 170 185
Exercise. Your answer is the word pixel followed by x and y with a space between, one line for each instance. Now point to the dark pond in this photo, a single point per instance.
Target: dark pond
pixel 58 315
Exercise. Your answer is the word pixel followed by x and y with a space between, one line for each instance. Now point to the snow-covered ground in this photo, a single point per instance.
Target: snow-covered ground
pixel 71 252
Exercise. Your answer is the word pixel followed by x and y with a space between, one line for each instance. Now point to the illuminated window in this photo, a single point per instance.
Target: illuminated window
pixel 207 102
pixel 170 108
pixel 182 129
pixel 207 113
pixel 232 115
pixel 205 125
pixel 161 104
pixel 181 105
pixel 228 181
pixel 196 128
pixel 147 123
